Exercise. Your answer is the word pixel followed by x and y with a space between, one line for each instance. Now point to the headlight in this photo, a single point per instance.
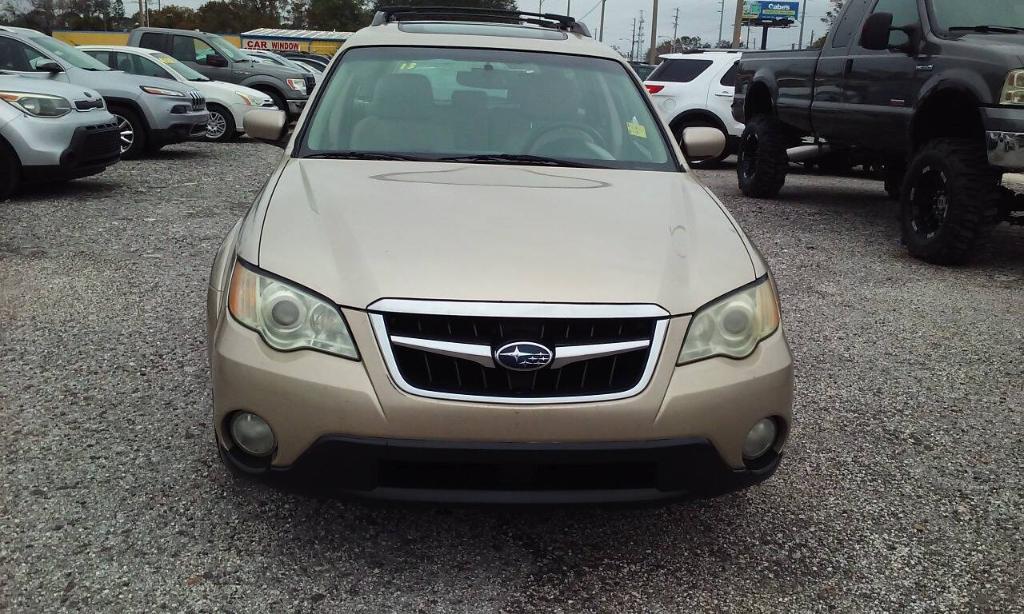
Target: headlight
pixel 734 324
pixel 159 91
pixel 249 100
pixel 286 317
pixel 1013 91
pixel 39 105
pixel 299 85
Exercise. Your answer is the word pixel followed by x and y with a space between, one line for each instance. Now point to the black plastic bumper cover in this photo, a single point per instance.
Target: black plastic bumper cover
pixel 514 472
pixel 92 149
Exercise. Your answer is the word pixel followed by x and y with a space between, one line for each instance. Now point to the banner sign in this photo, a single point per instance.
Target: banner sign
pixel 760 10
pixel 270 45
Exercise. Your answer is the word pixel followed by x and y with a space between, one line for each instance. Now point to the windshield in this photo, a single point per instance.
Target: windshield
pixel 446 103
pixel 963 14
pixel 68 53
pixel 182 69
pixel 280 60
pixel 226 49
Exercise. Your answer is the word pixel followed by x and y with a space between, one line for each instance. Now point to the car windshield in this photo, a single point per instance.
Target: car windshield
pixel 226 49
pixel 68 53
pixel 486 106
pixel 952 14
pixel 182 69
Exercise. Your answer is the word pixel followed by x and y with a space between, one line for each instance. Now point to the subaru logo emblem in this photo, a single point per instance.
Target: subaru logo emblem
pixel 523 356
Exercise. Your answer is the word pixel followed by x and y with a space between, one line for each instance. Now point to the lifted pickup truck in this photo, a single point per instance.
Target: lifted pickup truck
pixel 938 100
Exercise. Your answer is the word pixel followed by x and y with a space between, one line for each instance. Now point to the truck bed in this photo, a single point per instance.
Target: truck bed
pixel 789 75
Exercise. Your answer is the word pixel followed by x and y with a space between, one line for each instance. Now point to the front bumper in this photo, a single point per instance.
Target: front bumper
pixel 1004 131
pixel 92 149
pixel 470 472
pixel 310 398
pixel 183 127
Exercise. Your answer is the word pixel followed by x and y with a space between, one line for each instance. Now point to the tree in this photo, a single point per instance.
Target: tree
pixel 174 16
pixel 682 43
pixel 508 5
pixel 833 12
pixel 338 15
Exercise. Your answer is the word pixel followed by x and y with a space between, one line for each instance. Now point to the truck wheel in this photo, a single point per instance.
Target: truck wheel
pixel 133 132
pixel 10 172
pixel 763 162
pixel 222 124
pixel 949 202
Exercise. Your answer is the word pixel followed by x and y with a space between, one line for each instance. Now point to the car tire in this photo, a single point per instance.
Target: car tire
pixel 278 99
pixel 133 132
pixel 763 162
pixel 10 171
pixel 949 201
pixel 221 127
pixel 702 123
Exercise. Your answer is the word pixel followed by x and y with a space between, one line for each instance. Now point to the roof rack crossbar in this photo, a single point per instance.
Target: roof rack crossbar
pixel 421 13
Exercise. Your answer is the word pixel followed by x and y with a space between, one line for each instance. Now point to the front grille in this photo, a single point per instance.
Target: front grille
pixel 102 142
pixel 444 374
pixel 310 83
pixel 89 105
pixel 198 102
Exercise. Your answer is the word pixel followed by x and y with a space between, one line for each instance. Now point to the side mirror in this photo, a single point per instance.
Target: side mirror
pixel 702 143
pixel 216 61
pixel 49 66
pixel 267 126
pixel 875 34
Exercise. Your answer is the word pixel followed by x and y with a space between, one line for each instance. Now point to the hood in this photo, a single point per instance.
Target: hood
pixel 273 70
pixel 227 89
pixel 106 80
pixel 359 231
pixel 47 86
pixel 1007 48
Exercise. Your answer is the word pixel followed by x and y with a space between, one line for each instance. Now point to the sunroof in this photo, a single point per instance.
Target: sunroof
pixel 480 29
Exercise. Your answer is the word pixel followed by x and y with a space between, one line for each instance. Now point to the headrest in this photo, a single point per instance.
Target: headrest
pixel 403 96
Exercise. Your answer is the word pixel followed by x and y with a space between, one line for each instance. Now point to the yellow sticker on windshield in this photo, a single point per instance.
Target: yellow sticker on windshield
pixel 407 66
pixel 636 129
pixel 167 60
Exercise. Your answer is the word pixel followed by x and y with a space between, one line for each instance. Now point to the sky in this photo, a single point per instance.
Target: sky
pixel 696 18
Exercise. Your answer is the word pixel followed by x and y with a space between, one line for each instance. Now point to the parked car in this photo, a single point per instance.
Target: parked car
pixel 313 60
pixel 52 131
pixel 938 100
pixel 227 102
pixel 482 271
pixel 151 112
pixel 274 58
pixel 217 59
pixel 696 89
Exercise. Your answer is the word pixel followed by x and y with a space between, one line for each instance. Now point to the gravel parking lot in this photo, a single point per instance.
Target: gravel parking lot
pixel 902 491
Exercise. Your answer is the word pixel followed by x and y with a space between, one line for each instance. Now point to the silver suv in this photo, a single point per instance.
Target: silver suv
pixel 151 112
pixel 51 130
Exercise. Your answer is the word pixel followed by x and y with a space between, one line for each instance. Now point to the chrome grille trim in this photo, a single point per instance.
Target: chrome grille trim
pixel 379 309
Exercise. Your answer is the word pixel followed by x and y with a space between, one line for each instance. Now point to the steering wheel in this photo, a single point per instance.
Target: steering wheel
pixel 545 136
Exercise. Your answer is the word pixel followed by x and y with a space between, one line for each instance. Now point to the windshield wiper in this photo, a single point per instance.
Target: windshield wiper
pixel 526 159
pixel 366 155
pixel 998 29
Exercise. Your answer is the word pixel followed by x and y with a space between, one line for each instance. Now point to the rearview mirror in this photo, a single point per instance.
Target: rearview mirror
pixel 216 61
pixel 49 66
pixel 703 143
pixel 268 126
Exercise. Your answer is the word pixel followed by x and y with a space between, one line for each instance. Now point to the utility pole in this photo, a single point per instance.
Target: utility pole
pixel 721 24
pixel 600 35
pixel 652 55
pixel 738 26
pixel 142 13
pixel 675 30
pixel 640 36
pixel 540 6
pixel 803 18
pixel 568 7
pixel 632 41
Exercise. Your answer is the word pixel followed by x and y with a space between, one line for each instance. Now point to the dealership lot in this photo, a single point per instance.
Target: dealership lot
pixel 902 489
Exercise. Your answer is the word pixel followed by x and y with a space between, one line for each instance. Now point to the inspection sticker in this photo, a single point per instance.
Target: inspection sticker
pixel 636 129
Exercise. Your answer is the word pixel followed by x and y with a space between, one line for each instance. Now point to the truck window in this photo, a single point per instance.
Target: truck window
pixel 848 24
pixel 152 40
pixel 729 78
pixel 904 13
pixel 189 49
pixel 679 71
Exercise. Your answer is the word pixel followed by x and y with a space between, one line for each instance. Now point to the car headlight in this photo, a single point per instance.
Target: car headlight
pixel 38 105
pixel 1013 90
pixel 733 325
pixel 287 317
pixel 299 85
pixel 249 100
pixel 159 91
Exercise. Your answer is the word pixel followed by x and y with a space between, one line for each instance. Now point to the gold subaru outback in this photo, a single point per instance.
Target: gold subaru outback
pixel 482 271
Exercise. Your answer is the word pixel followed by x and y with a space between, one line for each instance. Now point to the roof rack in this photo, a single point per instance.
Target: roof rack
pixel 455 13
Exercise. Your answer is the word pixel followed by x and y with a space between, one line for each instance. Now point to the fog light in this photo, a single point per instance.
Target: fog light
pixel 252 434
pixel 760 439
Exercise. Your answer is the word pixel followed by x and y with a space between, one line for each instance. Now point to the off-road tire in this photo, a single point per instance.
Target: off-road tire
pixel 763 162
pixel 953 225
pixel 10 171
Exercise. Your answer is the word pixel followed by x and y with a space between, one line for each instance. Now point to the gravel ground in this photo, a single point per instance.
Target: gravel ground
pixel 902 490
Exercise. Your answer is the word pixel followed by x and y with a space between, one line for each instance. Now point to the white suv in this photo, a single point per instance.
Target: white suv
pixel 696 89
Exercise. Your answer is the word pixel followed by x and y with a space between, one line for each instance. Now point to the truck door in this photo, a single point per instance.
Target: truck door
pixel 882 87
pixel 827 108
